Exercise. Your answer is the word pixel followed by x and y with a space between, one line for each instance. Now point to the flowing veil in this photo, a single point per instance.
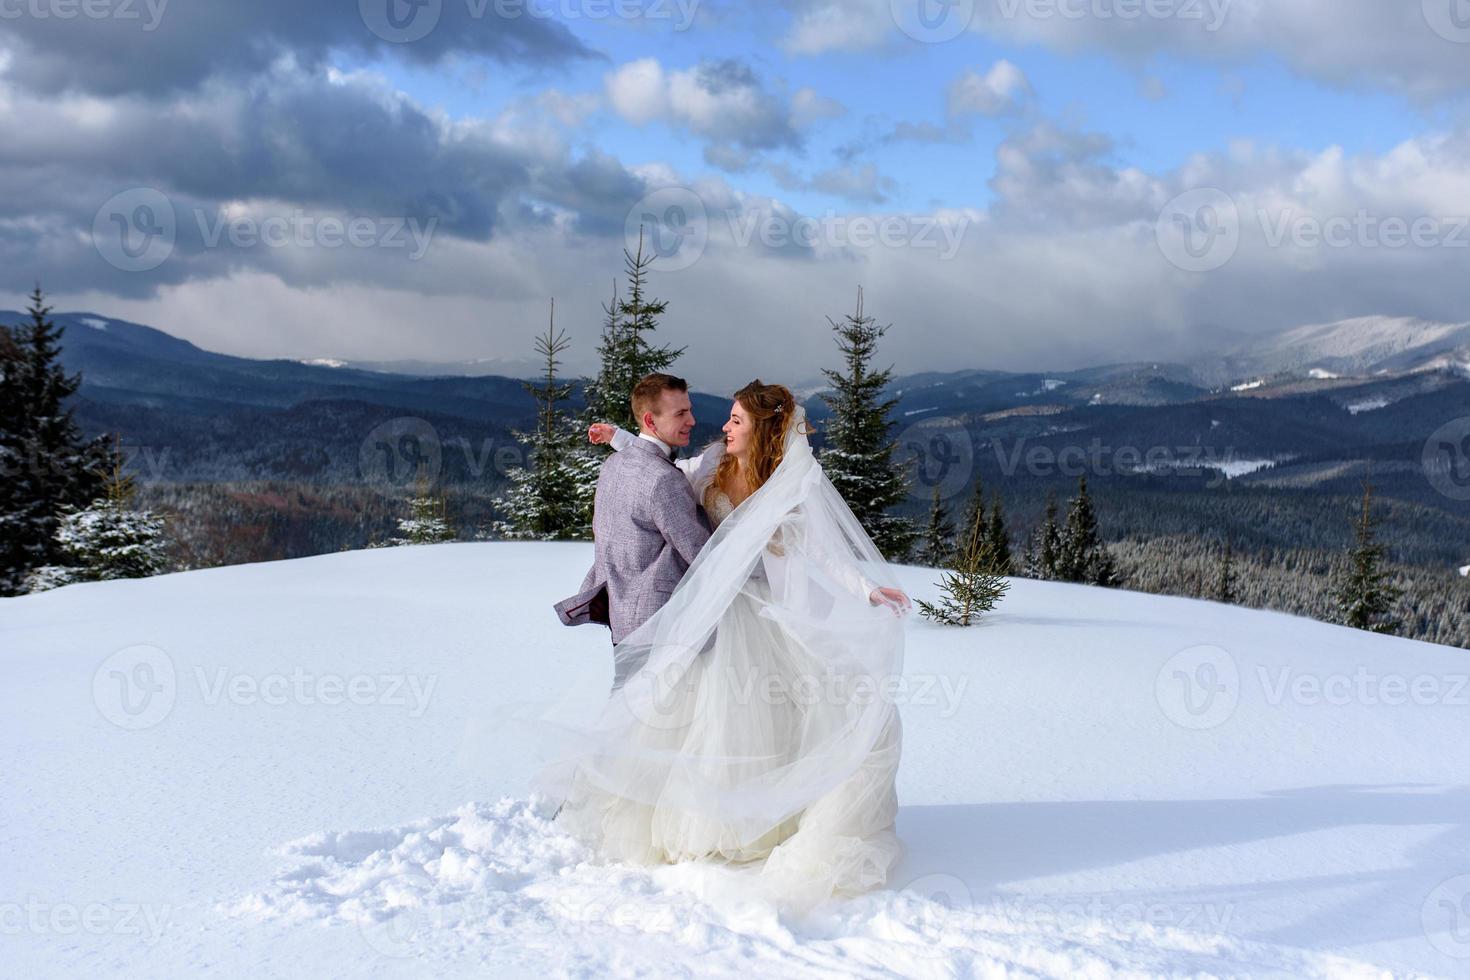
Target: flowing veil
pixel 756 718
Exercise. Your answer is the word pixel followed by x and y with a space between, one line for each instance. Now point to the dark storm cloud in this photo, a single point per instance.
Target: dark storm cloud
pixel 160 46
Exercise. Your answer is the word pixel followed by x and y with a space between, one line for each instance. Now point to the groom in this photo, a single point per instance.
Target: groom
pixel 646 524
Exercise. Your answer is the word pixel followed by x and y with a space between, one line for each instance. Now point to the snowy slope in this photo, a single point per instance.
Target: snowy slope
pixel 302 768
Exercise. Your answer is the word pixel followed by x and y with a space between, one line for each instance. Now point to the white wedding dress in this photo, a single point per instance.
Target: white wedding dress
pixel 759 732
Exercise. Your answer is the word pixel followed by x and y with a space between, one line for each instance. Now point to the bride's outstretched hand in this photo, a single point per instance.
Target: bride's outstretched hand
pixel 894 599
pixel 600 432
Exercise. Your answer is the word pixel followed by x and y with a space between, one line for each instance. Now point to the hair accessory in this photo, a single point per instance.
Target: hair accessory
pixel 779 407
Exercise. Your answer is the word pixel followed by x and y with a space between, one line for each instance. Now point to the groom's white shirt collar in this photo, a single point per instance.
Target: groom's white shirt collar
pixel 663 446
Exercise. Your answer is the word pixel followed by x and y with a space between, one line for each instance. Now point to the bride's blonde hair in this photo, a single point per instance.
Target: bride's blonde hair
pixel 771 409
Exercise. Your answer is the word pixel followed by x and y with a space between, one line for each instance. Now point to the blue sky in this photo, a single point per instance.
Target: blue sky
pixel 1105 188
pixel 1203 106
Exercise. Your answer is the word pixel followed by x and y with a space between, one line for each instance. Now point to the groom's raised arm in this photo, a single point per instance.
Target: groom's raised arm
pixel 677 517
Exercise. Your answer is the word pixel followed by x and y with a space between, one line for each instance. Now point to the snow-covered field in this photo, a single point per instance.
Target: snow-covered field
pixel 304 769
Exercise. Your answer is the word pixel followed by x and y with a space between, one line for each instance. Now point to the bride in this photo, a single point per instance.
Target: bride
pixel 756 728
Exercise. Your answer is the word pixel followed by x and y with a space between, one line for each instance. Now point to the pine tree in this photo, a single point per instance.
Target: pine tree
pixel 426 523
pixel 1364 593
pixel 1084 557
pixel 971 586
pixel 999 537
pixel 626 348
pixel 1225 590
pixel 542 503
pixel 858 458
pixel 1044 547
pixel 108 540
pixel 46 465
pixel 939 544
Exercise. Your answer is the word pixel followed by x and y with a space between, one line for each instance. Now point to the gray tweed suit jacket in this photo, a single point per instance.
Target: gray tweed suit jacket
pixel 647 528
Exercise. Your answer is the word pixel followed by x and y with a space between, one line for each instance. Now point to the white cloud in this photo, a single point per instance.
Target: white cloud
pixel 1402 46
pixel 1001 90
pixel 638 91
pixel 723 102
pixel 808 106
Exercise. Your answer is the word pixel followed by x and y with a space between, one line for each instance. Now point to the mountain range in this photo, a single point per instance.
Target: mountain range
pixel 1292 409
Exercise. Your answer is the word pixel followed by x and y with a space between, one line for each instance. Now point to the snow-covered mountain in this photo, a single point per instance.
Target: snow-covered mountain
pixel 301 768
pixel 1361 347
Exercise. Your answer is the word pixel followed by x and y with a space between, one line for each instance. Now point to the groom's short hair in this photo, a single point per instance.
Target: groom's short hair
pixel 650 389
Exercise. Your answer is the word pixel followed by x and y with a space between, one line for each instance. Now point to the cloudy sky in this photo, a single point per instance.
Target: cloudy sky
pixel 1013 183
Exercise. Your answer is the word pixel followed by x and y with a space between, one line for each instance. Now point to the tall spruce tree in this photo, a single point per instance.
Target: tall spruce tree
pixel 939 544
pixel 626 349
pixel 1084 557
pixel 1225 589
pixel 972 585
pixel 1365 593
pixel 999 537
pixel 542 503
pixel 858 457
pixel 46 466
pixel 1044 547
